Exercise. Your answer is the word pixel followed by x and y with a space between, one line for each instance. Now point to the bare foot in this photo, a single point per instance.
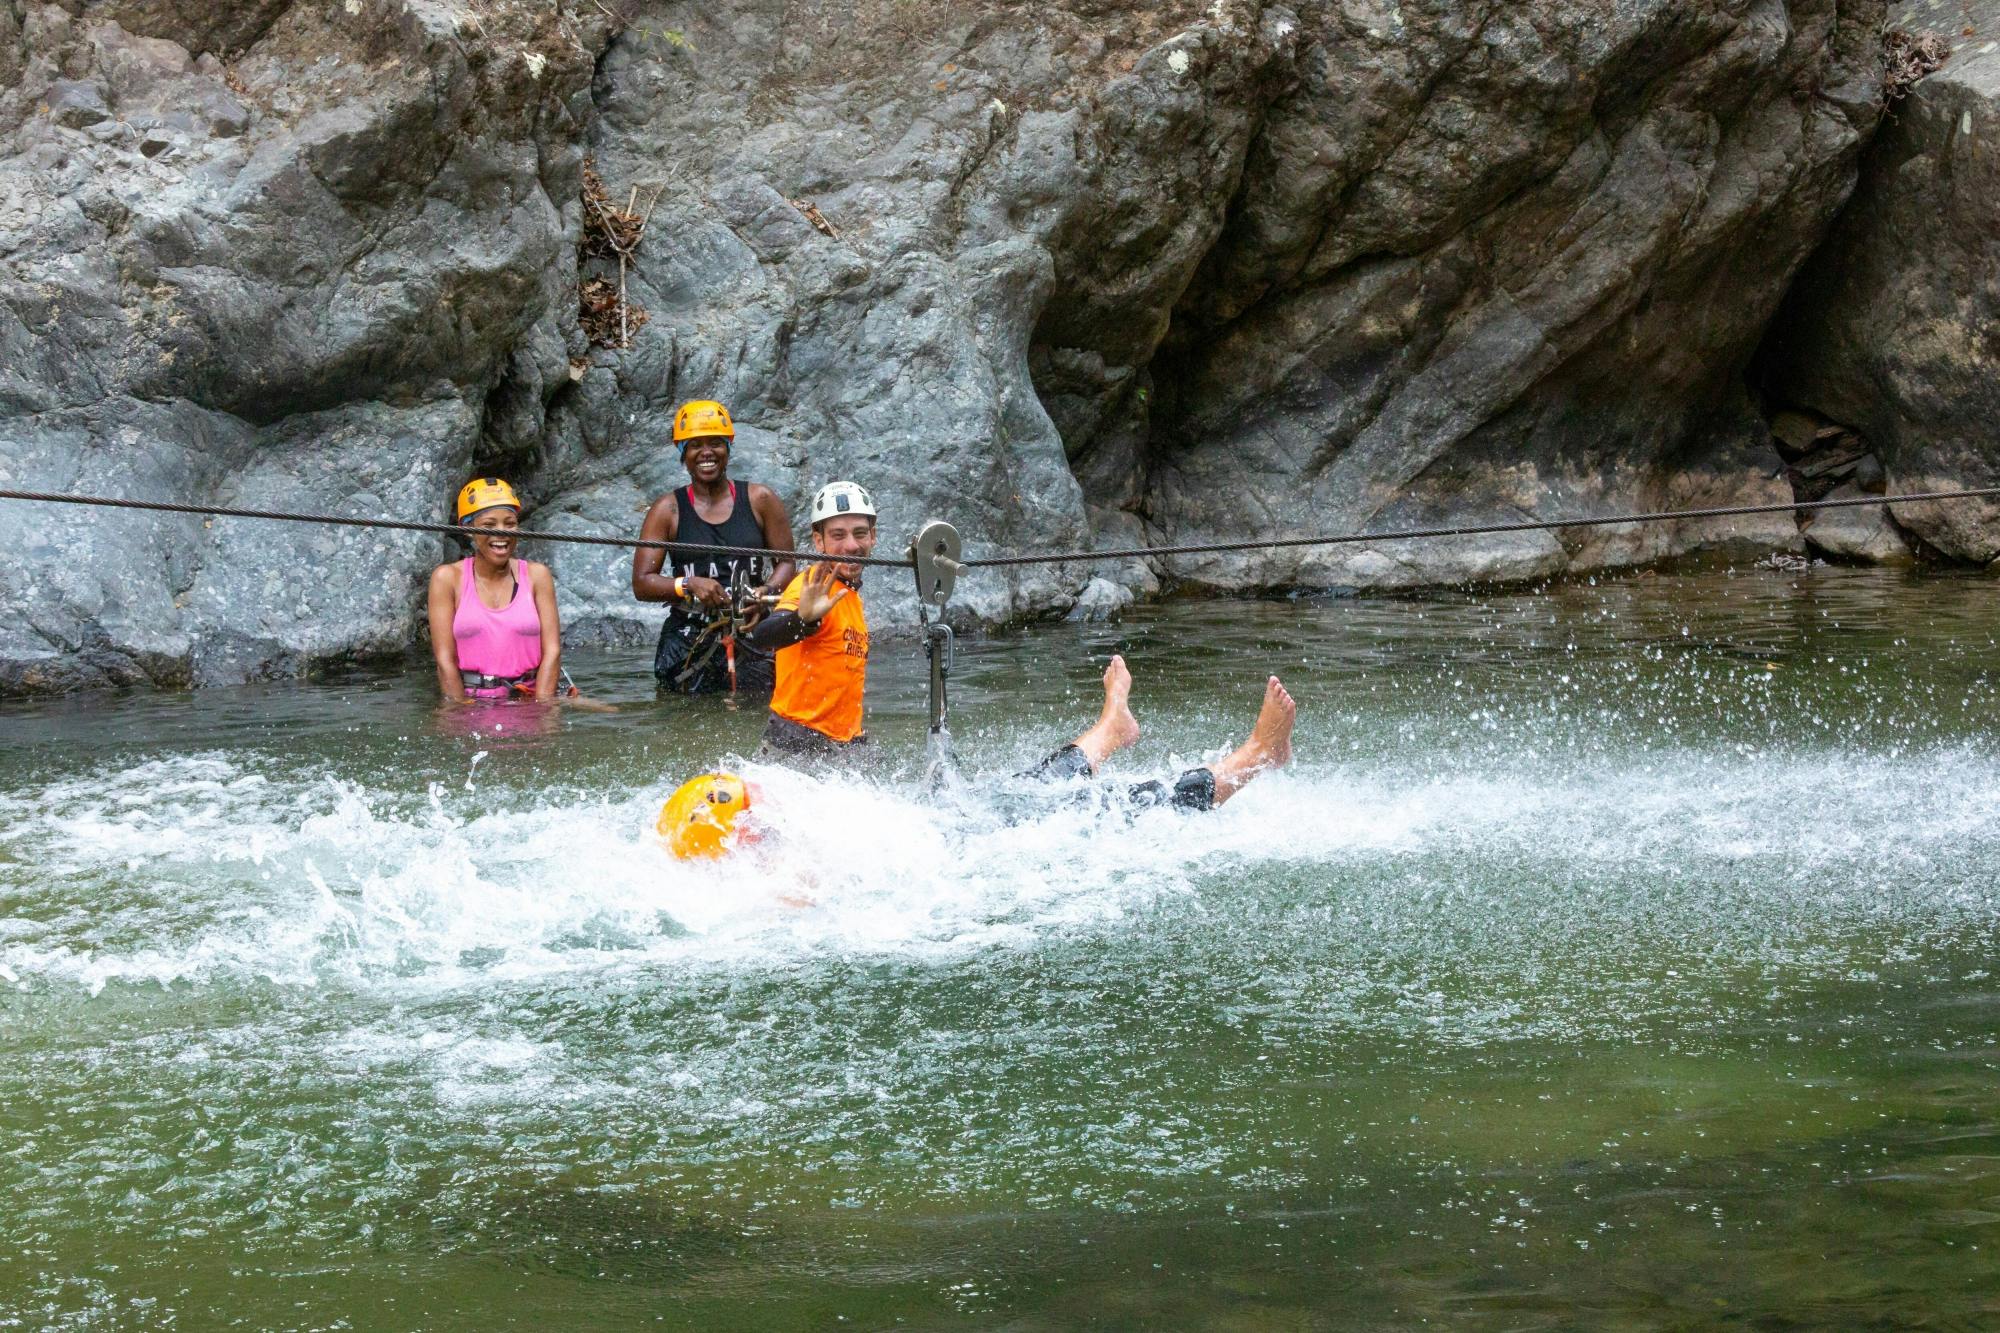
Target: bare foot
pixel 1269 746
pixel 1273 732
pixel 1117 716
pixel 1116 727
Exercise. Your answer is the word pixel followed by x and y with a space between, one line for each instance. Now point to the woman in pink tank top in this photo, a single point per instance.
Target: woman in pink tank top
pixel 494 630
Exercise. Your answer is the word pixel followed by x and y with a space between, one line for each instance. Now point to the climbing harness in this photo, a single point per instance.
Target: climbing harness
pixel 726 626
pixel 519 686
pixel 479 680
pixel 934 554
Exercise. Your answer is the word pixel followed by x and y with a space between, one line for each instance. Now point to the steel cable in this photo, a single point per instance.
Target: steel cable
pixel 1474 529
pixel 446 529
pixel 1045 558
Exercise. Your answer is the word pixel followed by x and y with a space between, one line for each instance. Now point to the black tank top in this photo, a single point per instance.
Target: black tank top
pixel 684 623
pixel 739 529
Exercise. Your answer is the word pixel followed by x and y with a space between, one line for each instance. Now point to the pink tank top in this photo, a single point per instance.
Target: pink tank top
pixel 506 643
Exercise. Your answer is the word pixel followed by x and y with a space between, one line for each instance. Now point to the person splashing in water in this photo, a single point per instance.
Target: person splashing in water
pixel 704 817
pixel 1202 788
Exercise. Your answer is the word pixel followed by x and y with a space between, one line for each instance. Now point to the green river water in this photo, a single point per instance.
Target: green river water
pixel 1617 954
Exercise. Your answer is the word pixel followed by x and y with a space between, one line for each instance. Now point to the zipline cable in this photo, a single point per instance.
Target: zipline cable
pixel 1046 558
pixel 446 529
pixel 1476 529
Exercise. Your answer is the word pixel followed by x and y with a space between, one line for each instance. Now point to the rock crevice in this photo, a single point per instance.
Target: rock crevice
pixel 1891 328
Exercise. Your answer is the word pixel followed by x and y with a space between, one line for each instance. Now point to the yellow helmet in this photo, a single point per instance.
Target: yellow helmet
pixel 702 417
pixel 485 493
pixel 699 817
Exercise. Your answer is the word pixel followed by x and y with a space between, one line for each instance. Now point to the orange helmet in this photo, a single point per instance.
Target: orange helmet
pixel 702 418
pixel 700 816
pixel 485 493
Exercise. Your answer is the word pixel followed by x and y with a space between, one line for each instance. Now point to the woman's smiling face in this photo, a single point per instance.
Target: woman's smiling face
pixel 707 458
pixel 494 531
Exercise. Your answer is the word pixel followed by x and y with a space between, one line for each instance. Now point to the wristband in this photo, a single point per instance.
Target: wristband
pixel 680 589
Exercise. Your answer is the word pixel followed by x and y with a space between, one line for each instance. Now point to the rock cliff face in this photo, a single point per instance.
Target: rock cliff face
pixel 1065 274
pixel 1171 273
pixel 273 255
pixel 1894 328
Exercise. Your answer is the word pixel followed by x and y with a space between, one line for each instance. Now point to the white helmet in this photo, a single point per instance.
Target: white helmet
pixel 841 497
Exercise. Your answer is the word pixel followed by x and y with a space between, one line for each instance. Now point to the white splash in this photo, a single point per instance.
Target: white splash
pixel 244 880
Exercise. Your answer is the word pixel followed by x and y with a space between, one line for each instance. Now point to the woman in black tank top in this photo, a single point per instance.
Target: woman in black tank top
pixel 711 510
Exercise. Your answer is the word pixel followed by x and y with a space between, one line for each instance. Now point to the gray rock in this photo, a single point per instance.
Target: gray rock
pixel 221 114
pixel 75 104
pixel 115 133
pixel 1836 457
pixel 1101 599
pixel 1864 533
pixel 139 70
pixel 1490 289
pixel 1231 269
pixel 1090 275
pixel 1870 476
pixel 11 52
pixel 157 140
pixel 1795 433
pixel 1891 325
pixel 312 315
pixel 199 25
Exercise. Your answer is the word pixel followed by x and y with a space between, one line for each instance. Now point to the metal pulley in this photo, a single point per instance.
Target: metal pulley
pixel 934 552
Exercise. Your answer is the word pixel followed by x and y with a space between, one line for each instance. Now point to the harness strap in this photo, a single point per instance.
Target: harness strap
pixel 697 662
pixel 479 680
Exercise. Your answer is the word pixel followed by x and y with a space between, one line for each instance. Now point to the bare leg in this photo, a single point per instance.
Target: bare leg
pixel 1269 746
pixel 1115 727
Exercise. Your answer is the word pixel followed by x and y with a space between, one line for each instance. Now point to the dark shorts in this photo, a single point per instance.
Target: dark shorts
pixel 785 740
pixel 756 672
pixel 1192 790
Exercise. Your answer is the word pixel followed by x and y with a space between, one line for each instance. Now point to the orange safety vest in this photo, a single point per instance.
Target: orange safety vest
pixel 821 679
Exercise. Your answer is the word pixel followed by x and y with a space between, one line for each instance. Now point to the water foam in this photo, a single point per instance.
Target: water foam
pixel 203 868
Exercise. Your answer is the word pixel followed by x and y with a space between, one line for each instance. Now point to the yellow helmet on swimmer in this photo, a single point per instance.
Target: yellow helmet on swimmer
pixel 700 418
pixel 485 493
pixel 700 816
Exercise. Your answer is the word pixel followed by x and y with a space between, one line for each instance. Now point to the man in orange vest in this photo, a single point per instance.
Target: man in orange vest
pixel 819 632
